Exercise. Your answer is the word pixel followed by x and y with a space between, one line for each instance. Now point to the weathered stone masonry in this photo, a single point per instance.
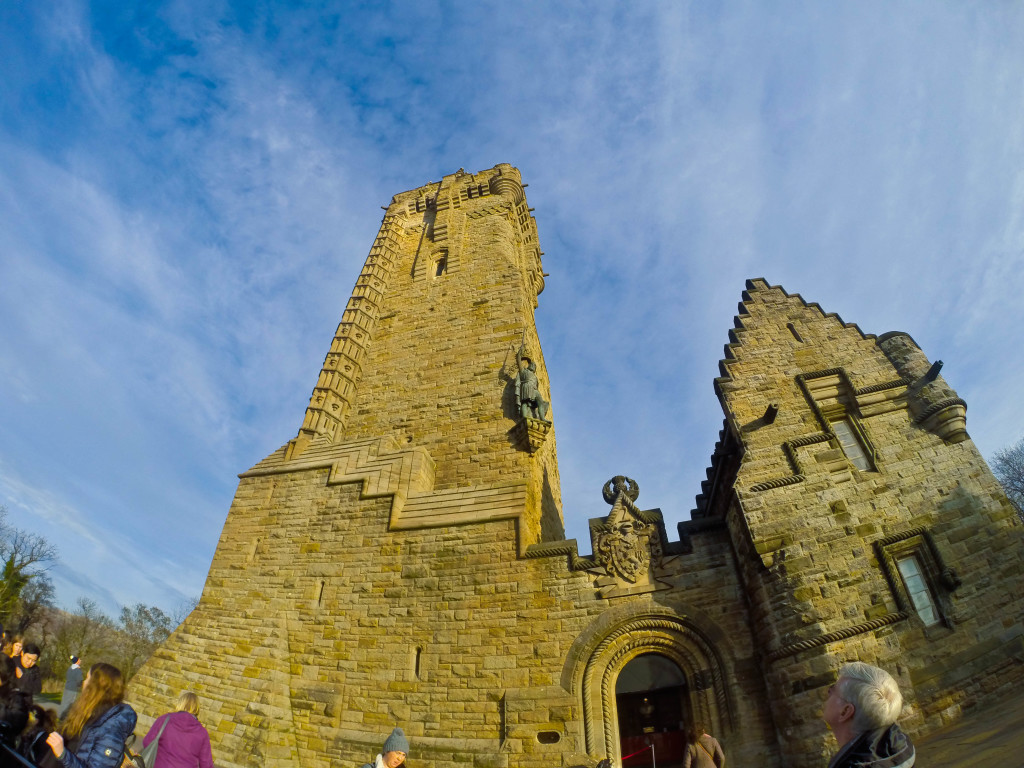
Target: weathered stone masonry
pixel 401 560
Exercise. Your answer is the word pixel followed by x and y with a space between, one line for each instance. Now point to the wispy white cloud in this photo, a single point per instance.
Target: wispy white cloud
pixel 187 194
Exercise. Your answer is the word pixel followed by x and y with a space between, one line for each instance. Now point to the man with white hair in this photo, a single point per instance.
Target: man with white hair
pixel 861 709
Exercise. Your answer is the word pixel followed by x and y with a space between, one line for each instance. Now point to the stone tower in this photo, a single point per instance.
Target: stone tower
pixel 416 424
pixel 401 560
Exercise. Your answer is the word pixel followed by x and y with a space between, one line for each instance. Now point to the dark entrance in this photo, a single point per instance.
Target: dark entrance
pixel 650 696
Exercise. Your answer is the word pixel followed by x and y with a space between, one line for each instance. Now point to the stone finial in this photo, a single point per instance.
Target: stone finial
pixel 620 484
pixel 628 547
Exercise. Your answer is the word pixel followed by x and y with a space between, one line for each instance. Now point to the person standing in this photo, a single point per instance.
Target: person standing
pixel 110 721
pixel 183 741
pixel 14 704
pixel 703 751
pixel 861 709
pixel 72 685
pixel 28 678
pixel 393 753
pixel 12 644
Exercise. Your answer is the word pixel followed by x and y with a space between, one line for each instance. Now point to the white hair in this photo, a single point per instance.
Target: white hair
pixel 874 694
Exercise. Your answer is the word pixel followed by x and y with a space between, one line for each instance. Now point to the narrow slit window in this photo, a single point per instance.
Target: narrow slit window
pixel 917 588
pixel 792 330
pixel 320 596
pixel 417 657
pixel 441 266
pixel 851 444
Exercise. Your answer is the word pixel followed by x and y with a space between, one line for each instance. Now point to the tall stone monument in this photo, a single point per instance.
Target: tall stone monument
pixel 401 560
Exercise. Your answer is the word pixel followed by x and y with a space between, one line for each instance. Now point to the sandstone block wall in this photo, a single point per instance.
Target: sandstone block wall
pixel 401 561
pixel 819 537
pixel 328 629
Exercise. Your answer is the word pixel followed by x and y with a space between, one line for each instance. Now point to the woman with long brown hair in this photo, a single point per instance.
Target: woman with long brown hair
pixel 93 732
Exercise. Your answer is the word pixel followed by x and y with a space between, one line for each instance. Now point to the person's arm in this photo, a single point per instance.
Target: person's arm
pixel 719 755
pixel 205 753
pixel 35 683
pixel 154 730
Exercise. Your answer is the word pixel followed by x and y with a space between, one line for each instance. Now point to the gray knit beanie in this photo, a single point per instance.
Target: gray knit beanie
pixel 396 742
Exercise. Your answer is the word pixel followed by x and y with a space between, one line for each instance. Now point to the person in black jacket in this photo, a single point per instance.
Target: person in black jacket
pixel 14 706
pixel 29 679
pixel 861 709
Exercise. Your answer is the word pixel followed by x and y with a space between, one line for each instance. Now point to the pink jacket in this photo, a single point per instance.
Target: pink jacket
pixel 184 744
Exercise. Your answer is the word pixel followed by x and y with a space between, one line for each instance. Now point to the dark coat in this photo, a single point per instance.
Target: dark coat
pixel 73 679
pixel 14 706
pixel 884 748
pixel 31 680
pixel 102 742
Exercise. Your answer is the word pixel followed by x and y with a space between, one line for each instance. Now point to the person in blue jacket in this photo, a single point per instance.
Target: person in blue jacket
pixel 93 732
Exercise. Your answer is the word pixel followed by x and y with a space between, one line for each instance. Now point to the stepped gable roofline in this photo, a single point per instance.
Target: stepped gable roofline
pixel 718 474
pixel 761 284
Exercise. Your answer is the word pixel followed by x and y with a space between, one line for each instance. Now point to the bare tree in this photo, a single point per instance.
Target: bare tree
pixel 85 632
pixel 24 557
pixel 1008 466
pixel 36 599
pixel 141 629
pixel 183 610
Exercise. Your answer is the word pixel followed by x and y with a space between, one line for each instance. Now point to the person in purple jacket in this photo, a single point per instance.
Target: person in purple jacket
pixel 184 742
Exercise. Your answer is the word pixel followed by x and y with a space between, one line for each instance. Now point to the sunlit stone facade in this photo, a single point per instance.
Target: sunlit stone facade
pixel 401 561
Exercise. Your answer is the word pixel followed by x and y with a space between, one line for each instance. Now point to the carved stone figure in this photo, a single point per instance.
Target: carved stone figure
pixel 529 402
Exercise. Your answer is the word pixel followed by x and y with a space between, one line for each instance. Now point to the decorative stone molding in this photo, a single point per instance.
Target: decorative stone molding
pixel 933 403
pixel 939 573
pixel 947 419
pixel 530 434
pixel 842 634
pixel 386 468
pixel 335 388
pixel 674 637
pixel 873 398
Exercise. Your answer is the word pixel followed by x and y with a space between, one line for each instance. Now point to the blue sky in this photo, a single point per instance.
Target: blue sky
pixel 189 189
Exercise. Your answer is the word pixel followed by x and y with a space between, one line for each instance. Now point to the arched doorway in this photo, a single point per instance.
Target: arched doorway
pixel 651 704
pixel 685 637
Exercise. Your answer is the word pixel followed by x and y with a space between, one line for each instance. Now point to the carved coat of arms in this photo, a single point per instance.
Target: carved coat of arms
pixel 622 549
pixel 628 552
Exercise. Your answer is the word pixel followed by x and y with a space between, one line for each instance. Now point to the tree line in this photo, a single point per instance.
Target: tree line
pixel 28 609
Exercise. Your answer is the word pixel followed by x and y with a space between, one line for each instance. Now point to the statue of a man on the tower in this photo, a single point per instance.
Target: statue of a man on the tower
pixel 529 402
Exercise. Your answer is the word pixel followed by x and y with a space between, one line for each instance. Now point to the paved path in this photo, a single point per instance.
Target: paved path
pixel 992 737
